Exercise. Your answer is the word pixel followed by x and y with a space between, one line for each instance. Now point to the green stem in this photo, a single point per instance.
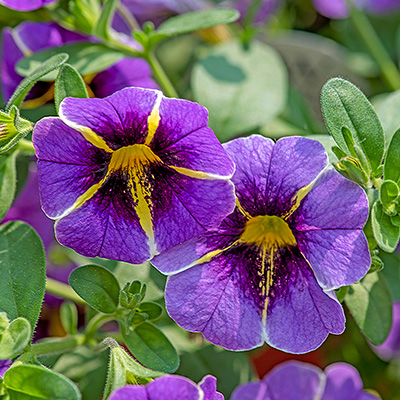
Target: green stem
pixel 57 345
pixel 26 146
pixel 62 290
pixel 378 51
pixel 160 75
pixel 95 323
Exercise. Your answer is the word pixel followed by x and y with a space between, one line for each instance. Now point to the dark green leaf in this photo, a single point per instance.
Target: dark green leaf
pixel 34 382
pixel 15 338
pixel 386 234
pixel 391 272
pixel 196 20
pixel 151 347
pixel 68 84
pixel 153 310
pixel 392 162
pixel 97 286
pixel 22 271
pixel 371 307
pixel 343 104
pixel 69 317
pixel 87 58
pixel 103 24
pixel 37 72
pixel 7 182
pixel 242 88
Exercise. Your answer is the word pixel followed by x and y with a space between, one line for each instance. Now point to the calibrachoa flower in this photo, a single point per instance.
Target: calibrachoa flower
pixel 269 271
pixel 339 9
pixel 131 175
pixel 25 5
pixel 171 388
pixel 31 37
pixel 390 348
pixel 295 380
pixel 4 365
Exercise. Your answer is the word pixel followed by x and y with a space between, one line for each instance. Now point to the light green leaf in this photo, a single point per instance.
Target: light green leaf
pixel 15 338
pixel 68 84
pixel 370 305
pixel 7 182
pixel 242 88
pixel 344 105
pixel 22 271
pixel 392 162
pixel 69 317
pixel 103 24
pixel 97 286
pixel 86 58
pixel 37 72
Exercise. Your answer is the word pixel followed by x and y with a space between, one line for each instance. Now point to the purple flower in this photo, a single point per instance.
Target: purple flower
pixel 25 5
pixel 338 8
pixel 171 387
pixel 4 365
pixel 390 348
pixel 295 380
pixel 31 37
pixel 269 271
pixel 131 175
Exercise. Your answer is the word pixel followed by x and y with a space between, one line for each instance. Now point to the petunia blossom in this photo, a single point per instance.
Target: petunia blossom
pixel 4 365
pixel 131 175
pixel 171 388
pixel 269 271
pixel 25 5
pixel 295 380
pixel 338 9
pixel 31 37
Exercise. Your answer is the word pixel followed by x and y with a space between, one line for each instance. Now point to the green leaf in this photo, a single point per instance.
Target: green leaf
pixel 388 192
pixel 153 310
pixel 242 88
pixel 391 272
pixel 387 110
pixel 12 129
pixel 386 234
pixel 22 271
pixel 34 382
pixel 343 104
pixel 69 317
pixel 86 58
pixel 391 168
pixel 36 73
pixel 7 182
pixel 103 24
pixel 85 14
pixel 341 293
pixel 68 84
pixel 151 347
pixel 196 20
pixel 97 286
pixel 15 338
pixel 370 305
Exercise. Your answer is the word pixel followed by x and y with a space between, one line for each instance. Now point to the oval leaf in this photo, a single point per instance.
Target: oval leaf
pixel 34 382
pixel 386 234
pixel 196 20
pixel 22 271
pixel 242 88
pixel 97 286
pixel 370 305
pixel 86 58
pixel 392 163
pixel 7 182
pixel 151 347
pixel 68 84
pixel 343 104
pixel 69 317
pixel 15 338
pixel 153 310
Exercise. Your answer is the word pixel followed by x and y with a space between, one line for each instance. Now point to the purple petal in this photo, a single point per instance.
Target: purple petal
pixel 210 298
pixel 209 386
pixel 4 365
pixel 382 6
pixel 332 8
pixel 25 5
pixel 390 348
pixel 251 391
pixel 328 229
pixel 130 393
pixel 300 314
pixel 173 388
pixel 295 380
pixel 68 165
pixel 125 73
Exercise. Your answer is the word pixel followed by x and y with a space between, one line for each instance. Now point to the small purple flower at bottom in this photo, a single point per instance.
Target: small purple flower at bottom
pixel 25 5
pixel 4 365
pixel 269 271
pixel 295 380
pixel 131 175
pixel 171 387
